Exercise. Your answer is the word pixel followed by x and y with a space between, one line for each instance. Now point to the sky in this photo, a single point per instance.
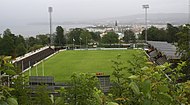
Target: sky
pixel 17 12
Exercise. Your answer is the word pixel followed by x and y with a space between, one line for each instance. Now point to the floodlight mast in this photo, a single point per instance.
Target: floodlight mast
pixel 50 10
pixel 145 7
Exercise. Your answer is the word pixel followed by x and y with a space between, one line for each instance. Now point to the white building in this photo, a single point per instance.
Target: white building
pixel 101 29
pixel 121 35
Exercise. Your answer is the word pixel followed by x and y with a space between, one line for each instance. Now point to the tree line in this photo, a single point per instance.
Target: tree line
pixel 168 34
pixel 17 45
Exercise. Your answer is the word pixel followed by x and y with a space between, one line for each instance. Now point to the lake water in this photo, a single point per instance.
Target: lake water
pixel 32 30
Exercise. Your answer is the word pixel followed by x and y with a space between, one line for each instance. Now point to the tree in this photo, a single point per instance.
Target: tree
pixel 82 89
pixel 20 39
pixel 21 90
pixel 119 81
pixel 79 36
pixel 33 44
pixel 6 70
pixel 12 45
pixel 96 36
pixel 171 33
pixel 74 35
pixel 63 97
pixel 7 32
pixel 8 43
pixel 31 41
pixel 184 46
pixel 1 47
pixel 21 49
pixel 20 45
pixel 129 35
pixel 60 38
pixel 155 34
pixel 42 39
pixel 110 38
pixel 42 96
pixel 146 84
pixel 85 37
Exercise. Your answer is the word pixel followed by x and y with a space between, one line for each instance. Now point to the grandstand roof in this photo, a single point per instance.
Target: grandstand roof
pixel 165 48
pixel 29 54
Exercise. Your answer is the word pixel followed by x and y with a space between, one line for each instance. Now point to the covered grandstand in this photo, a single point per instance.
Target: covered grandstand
pixel 29 59
pixel 162 52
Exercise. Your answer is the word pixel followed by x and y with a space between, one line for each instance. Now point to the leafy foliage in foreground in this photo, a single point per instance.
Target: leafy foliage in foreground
pixel 20 90
pixel 6 70
pixel 149 85
pixel 82 90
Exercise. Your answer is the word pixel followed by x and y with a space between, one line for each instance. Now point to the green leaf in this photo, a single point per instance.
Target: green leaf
pixel 52 98
pixel 12 101
pixel 59 101
pixel 2 97
pixel 11 89
pixel 164 98
pixel 6 58
pixel 144 68
pixel 134 87
pixel 161 67
pixel 155 103
pixel 133 77
pixel 3 103
pixel 146 87
pixel 147 102
pixel 10 72
pixel 98 98
pixel 9 65
pixel 163 88
pixel 112 103
pixel 157 75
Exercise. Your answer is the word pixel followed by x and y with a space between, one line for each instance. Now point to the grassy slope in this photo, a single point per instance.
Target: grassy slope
pixel 65 63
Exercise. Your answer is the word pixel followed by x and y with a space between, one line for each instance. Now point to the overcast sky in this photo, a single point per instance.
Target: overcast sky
pixel 36 10
pixel 16 12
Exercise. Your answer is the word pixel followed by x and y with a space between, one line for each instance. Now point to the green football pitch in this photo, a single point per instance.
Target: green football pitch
pixel 63 64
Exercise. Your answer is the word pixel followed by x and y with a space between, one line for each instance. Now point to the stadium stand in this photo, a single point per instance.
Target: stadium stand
pixel 41 80
pixel 28 60
pixel 104 82
pixel 166 53
pixel 153 54
pixel 161 60
pixel 51 86
pixel 161 52
pixel 47 81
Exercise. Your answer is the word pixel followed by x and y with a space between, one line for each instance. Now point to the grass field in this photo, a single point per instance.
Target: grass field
pixel 65 63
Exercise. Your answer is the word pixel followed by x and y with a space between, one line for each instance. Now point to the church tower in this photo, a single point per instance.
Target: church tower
pixel 116 29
